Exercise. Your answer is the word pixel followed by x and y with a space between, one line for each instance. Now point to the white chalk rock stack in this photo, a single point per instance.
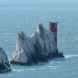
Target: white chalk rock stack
pixel 41 46
pixel 4 62
pixel 24 50
pixel 44 42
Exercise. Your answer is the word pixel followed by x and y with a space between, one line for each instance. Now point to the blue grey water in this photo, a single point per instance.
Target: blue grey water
pixel 25 15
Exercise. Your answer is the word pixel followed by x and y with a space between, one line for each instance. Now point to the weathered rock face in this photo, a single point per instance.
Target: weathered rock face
pixel 24 50
pixel 4 63
pixel 38 48
pixel 44 43
pixel 54 29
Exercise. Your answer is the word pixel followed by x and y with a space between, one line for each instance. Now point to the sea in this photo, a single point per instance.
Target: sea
pixel 25 15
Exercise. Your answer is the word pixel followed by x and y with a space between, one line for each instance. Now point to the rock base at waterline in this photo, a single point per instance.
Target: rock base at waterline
pixel 55 55
pixel 4 69
pixel 18 63
pixel 34 61
pixel 4 62
pixel 40 59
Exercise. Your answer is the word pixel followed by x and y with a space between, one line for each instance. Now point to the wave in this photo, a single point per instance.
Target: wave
pixel 70 56
pixel 35 69
pixel 20 70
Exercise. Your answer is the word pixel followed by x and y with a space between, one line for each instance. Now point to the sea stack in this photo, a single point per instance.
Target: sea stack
pixel 54 29
pixel 24 50
pixel 45 43
pixel 4 62
pixel 39 41
pixel 40 47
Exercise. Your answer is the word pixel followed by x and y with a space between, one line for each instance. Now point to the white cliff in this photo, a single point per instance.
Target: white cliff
pixel 44 41
pixel 24 49
pixel 39 47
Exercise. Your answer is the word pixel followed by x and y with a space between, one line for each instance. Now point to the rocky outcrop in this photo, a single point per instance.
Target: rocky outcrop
pixel 4 63
pixel 24 50
pixel 45 44
pixel 40 47
pixel 53 28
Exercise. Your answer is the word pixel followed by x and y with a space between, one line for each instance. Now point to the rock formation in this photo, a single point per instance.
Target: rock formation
pixel 4 63
pixel 45 42
pixel 53 28
pixel 24 50
pixel 40 47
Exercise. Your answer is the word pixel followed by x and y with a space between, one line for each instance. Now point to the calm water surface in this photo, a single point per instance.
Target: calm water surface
pixel 25 15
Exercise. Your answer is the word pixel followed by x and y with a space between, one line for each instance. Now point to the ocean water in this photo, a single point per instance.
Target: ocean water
pixel 25 15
